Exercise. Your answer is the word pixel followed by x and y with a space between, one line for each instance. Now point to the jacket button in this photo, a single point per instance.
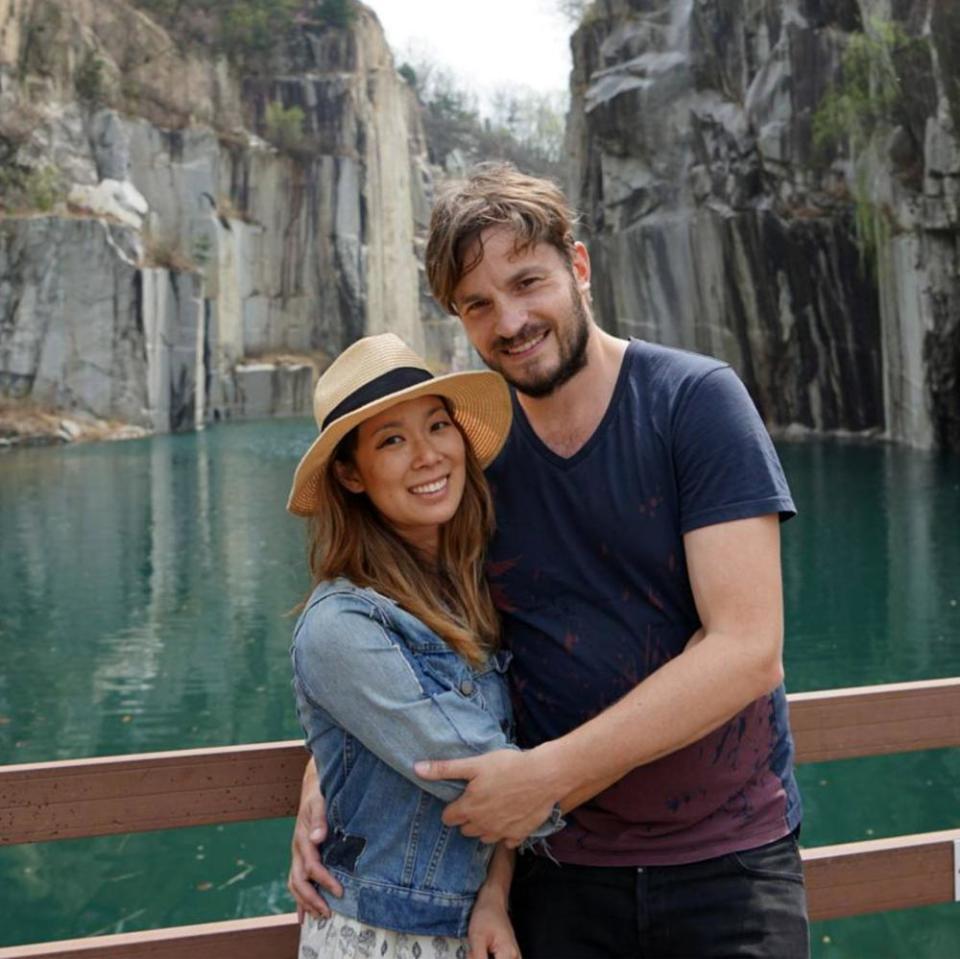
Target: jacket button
pixel 467 687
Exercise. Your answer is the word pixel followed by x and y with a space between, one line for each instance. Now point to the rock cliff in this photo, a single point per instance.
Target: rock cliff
pixel 777 182
pixel 164 264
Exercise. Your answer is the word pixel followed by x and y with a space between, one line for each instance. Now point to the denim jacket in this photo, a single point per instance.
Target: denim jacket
pixel 376 691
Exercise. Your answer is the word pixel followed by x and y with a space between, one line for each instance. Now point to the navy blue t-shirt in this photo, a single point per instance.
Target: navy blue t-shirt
pixel 589 573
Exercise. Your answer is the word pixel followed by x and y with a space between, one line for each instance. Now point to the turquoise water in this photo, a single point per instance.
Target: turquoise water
pixel 144 588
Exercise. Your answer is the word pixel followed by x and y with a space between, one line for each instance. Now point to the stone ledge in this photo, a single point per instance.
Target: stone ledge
pixel 22 426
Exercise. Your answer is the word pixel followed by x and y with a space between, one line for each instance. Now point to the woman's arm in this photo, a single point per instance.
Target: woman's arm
pixel 364 677
pixel 490 931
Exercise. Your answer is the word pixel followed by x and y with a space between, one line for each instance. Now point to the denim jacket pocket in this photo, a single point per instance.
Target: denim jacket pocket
pixel 444 670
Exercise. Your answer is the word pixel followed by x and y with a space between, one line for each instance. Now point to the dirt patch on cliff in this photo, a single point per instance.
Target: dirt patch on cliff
pixel 30 425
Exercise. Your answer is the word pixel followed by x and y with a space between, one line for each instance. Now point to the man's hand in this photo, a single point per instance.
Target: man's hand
pixel 507 797
pixel 310 829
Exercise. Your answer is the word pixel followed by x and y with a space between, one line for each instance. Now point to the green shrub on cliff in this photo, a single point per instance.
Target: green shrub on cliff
pixel 88 80
pixel 869 97
pixel 336 13
pixel 252 29
pixel 869 94
pixel 24 190
pixel 247 31
pixel 284 126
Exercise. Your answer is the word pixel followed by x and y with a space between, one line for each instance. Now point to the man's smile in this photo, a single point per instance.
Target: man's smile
pixel 527 345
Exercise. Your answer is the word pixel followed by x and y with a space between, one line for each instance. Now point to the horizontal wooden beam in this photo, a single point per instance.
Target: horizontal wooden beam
pixel 164 790
pixel 844 880
pixel 875 720
pixel 877 875
pixel 120 794
pixel 238 939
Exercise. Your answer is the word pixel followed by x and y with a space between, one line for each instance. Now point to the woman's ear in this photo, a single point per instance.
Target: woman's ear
pixel 348 477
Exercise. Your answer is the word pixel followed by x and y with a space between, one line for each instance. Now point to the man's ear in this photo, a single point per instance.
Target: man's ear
pixel 348 477
pixel 580 264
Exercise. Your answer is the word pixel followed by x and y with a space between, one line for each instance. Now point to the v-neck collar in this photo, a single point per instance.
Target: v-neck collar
pixel 568 462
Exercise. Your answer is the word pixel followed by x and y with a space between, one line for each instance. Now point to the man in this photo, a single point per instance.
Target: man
pixel 637 570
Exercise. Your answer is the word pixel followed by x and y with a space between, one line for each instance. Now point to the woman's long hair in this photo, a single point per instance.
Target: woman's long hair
pixel 349 538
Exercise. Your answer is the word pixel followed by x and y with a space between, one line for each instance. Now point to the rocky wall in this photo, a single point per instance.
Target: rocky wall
pixel 254 264
pixel 826 276
pixel 83 327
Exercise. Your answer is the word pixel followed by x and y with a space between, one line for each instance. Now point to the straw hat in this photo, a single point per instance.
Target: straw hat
pixel 378 372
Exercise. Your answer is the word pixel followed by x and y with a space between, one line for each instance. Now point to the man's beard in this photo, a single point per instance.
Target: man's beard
pixel 572 348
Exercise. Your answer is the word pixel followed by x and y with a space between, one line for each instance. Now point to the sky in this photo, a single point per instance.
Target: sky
pixel 487 45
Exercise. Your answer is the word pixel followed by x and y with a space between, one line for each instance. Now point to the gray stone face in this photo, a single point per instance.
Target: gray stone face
pixel 175 315
pixel 273 389
pixel 82 328
pixel 716 225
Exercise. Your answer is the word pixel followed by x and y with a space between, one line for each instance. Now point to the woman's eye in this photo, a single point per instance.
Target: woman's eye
pixel 439 425
pixel 389 441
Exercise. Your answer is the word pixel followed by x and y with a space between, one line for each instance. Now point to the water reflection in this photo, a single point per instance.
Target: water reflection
pixel 869 565
pixel 143 588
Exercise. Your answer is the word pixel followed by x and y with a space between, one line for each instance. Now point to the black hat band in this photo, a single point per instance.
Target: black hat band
pixel 393 381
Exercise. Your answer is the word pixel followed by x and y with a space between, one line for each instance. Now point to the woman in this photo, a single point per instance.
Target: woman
pixel 394 654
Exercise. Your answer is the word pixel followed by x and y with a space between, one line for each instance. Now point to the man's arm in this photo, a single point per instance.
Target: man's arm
pixel 305 864
pixel 734 571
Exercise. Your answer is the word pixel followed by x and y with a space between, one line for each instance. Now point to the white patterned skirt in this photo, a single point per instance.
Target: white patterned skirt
pixel 342 938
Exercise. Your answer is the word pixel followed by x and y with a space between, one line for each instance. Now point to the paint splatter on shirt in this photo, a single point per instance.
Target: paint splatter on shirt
pixel 589 573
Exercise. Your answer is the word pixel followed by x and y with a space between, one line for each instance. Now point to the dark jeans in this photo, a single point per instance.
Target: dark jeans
pixel 743 904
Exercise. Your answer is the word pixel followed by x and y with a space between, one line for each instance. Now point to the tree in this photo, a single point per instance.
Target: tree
pixel 574 10
pixel 408 74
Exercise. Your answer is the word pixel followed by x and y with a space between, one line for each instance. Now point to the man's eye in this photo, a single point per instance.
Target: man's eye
pixel 476 306
pixel 528 281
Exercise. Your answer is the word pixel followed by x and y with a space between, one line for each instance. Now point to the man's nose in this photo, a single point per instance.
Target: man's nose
pixel 511 318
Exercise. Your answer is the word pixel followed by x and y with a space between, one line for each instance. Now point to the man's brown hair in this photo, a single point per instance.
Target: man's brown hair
pixel 494 194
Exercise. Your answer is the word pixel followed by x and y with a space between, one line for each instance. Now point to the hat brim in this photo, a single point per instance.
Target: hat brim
pixel 480 404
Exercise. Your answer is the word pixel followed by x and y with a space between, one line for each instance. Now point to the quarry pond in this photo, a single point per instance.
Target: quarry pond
pixel 145 590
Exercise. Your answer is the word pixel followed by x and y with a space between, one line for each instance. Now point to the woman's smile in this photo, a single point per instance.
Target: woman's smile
pixel 432 488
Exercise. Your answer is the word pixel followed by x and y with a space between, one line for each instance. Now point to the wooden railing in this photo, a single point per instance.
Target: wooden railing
pixel 40 802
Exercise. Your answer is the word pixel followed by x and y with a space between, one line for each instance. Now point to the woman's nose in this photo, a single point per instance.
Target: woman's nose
pixel 426 452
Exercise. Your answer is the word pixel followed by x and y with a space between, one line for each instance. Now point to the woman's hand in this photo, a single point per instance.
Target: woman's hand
pixel 490 932
pixel 310 829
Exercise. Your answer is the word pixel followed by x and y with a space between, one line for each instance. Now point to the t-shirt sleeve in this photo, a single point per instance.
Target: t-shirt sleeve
pixel 726 466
